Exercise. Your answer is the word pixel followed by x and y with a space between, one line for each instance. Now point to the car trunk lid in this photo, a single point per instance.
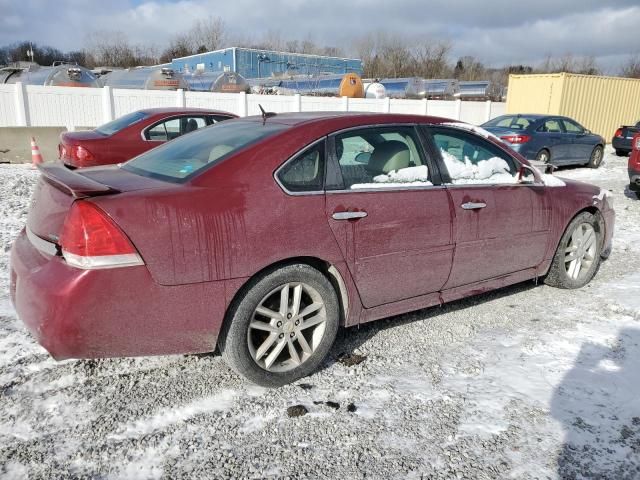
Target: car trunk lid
pixel 58 187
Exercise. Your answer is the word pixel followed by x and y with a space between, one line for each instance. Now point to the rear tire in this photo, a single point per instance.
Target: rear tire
pixel 544 156
pixel 596 157
pixel 577 258
pixel 268 339
pixel 621 153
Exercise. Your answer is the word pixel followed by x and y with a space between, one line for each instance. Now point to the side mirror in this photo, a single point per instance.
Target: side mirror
pixel 363 157
pixel 529 176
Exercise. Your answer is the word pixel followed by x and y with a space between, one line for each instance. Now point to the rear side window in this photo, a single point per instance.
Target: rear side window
pixel 305 173
pixel 184 157
pixel 121 123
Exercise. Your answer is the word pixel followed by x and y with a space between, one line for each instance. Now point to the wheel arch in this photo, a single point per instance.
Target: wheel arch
pixel 329 270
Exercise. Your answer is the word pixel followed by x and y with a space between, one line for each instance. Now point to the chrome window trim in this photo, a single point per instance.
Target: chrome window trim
pixel 48 248
pixel 385 189
pixel 293 157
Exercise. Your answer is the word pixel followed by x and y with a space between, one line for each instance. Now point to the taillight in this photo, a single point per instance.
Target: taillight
pixel 516 139
pixel 636 143
pixel 618 133
pixel 78 155
pixel 90 239
pixel 82 155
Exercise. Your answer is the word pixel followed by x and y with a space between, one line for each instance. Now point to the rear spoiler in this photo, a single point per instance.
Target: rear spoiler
pixel 73 182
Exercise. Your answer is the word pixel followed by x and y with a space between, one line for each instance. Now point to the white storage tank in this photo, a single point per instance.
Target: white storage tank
pixel 374 90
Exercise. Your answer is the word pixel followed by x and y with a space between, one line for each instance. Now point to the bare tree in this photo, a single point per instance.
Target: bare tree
pixel 631 67
pixel 207 35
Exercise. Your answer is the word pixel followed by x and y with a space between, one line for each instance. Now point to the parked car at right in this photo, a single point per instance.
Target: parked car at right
pixel 549 139
pixel 621 140
pixel 634 166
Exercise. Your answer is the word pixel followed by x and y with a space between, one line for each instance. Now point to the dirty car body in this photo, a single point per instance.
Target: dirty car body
pixel 394 210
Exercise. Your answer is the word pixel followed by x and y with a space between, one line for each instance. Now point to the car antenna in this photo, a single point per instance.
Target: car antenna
pixel 266 115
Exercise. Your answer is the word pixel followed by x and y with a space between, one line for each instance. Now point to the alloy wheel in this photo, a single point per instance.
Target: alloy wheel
pixel 581 251
pixel 287 327
pixel 596 156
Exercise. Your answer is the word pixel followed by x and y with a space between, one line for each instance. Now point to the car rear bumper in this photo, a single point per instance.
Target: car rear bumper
pixel 620 143
pixel 115 312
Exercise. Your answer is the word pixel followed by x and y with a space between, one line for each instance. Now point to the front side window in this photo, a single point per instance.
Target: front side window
pixel 551 126
pixel 381 158
pixel 305 173
pixel 188 155
pixel 572 127
pixel 470 159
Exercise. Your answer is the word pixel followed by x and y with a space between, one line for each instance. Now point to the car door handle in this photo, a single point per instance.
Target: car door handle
pixel 473 205
pixel 348 215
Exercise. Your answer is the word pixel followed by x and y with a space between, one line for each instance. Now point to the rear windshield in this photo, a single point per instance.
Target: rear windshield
pixel 185 156
pixel 514 122
pixel 121 122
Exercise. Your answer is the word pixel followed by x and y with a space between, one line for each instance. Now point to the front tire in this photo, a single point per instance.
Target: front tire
pixel 282 326
pixel 577 258
pixel 596 157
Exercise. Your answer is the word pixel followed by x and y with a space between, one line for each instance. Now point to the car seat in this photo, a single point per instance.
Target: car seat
pixel 388 156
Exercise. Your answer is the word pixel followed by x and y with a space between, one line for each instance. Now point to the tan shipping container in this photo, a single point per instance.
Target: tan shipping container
pixel 599 103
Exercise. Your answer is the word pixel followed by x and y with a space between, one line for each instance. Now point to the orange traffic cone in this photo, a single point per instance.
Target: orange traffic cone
pixel 36 156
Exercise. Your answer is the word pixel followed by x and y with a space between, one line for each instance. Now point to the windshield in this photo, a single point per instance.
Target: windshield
pixel 121 122
pixel 513 122
pixel 184 157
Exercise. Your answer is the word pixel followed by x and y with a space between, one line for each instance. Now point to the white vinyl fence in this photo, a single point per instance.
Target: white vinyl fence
pixel 71 107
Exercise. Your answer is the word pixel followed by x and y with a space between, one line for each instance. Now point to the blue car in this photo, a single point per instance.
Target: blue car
pixel 549 139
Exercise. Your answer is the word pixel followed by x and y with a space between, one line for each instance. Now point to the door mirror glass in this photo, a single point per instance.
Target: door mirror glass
pixel 363 157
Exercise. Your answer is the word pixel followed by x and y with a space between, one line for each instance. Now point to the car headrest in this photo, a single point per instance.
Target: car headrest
pixel 388 156
pixel 219 151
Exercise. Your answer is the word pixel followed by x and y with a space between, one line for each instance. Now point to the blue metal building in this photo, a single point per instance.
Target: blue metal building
pixel 253 63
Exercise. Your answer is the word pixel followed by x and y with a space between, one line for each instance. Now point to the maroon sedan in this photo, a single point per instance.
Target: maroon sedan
pixel 132 134
pixel 264 236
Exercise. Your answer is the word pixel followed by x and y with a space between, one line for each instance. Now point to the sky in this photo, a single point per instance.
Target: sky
pixel 498 32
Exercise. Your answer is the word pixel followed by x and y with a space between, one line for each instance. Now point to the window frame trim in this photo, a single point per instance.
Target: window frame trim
pixel 420 146
pixel 292 158
pixel 144 131
pixel 430 127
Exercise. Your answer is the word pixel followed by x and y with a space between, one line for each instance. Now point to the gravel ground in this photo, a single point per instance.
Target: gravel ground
pixel 527 382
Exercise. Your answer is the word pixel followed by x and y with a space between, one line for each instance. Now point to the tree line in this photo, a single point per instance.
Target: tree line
pixel 384 55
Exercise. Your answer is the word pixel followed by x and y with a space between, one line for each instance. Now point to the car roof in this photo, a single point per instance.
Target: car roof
pixel 165 110
pixel 296 119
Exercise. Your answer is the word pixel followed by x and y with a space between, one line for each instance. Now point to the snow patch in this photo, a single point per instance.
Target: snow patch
pixel 551 180
pixel 172 416
pixel 493 170
pixel 403 177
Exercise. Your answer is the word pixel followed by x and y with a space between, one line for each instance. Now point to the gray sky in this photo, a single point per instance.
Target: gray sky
pixel 498 32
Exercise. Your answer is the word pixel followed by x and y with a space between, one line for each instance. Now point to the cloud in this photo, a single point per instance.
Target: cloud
pixel 497 32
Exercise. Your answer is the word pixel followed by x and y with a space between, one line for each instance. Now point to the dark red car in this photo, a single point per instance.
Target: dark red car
pixel 634 165
pixel 132 134
pixel 263 236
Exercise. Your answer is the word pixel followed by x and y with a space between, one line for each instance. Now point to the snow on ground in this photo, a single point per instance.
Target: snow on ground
pixel 528 382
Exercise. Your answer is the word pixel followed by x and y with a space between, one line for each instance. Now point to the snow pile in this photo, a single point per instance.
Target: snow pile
pixel 403 177
pixel 551 181
pixel 493 170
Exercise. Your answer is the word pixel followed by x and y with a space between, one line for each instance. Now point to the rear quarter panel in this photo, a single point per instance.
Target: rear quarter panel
pixel 235 221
